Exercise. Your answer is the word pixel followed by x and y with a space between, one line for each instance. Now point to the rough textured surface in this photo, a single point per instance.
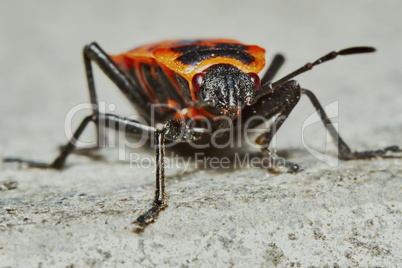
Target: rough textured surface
pixel 348 215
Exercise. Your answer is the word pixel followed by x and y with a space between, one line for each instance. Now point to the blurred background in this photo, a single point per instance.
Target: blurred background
pixel 42 77
pixel 42 74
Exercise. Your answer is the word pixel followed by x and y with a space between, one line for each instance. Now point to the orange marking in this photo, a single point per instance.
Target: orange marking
pixel 161 53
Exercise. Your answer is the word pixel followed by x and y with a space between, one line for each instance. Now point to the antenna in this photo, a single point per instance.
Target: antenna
pixel 330 56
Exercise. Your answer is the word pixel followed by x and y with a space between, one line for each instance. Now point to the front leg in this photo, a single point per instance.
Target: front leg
pixel 285 98
pixel 279 102
pixel 176 131
pixel 160 200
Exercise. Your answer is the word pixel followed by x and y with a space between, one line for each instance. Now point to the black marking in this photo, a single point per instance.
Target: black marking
pixel 133 75
pixel 187 42
pixel 168 87
pixel 230 46
pixel 191 48
pixel 184 87
pixel 153 83
pixel 138 90
pixel 194 54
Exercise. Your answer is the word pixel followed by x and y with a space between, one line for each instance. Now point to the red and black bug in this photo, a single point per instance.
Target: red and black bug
pixel 172 73
pixel 212 81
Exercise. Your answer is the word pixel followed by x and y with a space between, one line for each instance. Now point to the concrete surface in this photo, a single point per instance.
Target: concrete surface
pixel 343 216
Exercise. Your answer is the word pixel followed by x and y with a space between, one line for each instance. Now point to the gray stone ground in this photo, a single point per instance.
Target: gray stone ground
pixel 343 216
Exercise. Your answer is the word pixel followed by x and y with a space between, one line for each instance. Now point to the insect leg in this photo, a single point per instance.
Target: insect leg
pixel 173 130
pixel 273 68
pixel 344 151
pixel 65 151
pixel 93 52
pixel 110 120
pixel 279 102
pixel 160 200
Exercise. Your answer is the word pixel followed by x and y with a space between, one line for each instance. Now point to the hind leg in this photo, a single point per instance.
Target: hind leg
pixel 94 53
pixel 108 120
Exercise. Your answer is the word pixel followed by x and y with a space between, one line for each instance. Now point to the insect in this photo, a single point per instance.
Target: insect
pixel 201 87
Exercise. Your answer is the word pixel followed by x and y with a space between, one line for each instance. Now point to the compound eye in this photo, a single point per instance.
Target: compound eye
pixel 256 80
pixel 197 81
